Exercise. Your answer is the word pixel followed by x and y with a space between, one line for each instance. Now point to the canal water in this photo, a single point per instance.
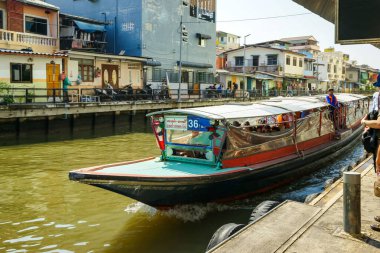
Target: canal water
pixel 42 211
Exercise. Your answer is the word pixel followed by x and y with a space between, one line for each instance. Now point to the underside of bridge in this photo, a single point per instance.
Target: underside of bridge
pixel 323 8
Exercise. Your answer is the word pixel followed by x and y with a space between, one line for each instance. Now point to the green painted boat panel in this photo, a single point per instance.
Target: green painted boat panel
pixel 157 168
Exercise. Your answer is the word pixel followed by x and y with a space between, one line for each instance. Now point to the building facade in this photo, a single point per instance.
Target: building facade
pixel 29 42
pixel 224 42
pixel 307 45
pixel 331 69
pixel 265 69
pixel 88 66
pixel 152 29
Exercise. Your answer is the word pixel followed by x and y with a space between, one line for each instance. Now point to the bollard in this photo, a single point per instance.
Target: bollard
pixel 351 203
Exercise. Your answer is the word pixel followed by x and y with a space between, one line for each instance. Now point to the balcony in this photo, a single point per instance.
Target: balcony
pixel 17 41
pixel 69 43
pixel 273 69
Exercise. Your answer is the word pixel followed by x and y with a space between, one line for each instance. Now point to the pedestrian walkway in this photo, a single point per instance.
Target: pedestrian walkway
pixel 315 227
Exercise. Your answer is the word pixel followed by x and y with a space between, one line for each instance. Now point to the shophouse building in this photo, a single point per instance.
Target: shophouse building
pixel 172 33
pixel 29 45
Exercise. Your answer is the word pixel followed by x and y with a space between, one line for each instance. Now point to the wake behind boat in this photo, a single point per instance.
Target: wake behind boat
pixel 227 152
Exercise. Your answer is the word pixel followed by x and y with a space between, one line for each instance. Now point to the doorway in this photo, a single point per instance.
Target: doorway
pixel 52 79
pixel 110 74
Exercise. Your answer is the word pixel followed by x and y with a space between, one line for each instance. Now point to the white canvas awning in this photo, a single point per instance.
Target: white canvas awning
pixel 276 106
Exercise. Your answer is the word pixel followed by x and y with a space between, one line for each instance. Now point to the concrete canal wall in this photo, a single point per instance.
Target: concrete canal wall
pixel 37 123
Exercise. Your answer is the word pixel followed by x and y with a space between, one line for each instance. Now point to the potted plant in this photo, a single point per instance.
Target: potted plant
pixel 5 97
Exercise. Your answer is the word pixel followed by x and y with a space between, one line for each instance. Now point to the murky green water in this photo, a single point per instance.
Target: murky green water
pixel 42 211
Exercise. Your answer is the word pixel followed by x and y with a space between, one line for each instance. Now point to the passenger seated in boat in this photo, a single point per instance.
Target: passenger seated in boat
pixel 304 114
pixel 288 120
pixel 247 127
pixel 236 124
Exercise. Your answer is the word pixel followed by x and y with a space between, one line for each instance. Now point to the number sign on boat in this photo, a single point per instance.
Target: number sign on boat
pixel 197 124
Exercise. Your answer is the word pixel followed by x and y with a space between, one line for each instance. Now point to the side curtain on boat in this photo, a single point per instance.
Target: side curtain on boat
pixel 242 141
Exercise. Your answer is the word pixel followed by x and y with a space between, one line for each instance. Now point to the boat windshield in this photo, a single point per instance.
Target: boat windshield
pixel 191 138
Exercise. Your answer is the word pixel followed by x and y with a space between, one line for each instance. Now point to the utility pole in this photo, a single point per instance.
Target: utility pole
pixel 245 37
pixel 180 60
pixel 244 64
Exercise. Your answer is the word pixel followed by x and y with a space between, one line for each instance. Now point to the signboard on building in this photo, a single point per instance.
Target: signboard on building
pixel 203 9
pixel 357 21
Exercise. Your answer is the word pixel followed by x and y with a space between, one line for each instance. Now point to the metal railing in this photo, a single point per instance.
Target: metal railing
pixel 98 95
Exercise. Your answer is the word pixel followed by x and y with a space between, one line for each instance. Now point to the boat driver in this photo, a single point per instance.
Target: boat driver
pixel 334 106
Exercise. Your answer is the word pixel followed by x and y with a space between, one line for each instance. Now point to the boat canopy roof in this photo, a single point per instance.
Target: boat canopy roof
pixel 274 106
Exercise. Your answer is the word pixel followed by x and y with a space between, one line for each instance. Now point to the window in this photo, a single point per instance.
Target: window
pixel 86 69
pixel 351 76
pixel 36 25
pixel 343 70
pixel 300 63
pixel 287 60
pixel 335 69
pixel 255 60
pixel 21 73
pixel 294 61
pixel 2 19
pixel 328 67
pixel 239 61
pixel 201 42
pixel 272 59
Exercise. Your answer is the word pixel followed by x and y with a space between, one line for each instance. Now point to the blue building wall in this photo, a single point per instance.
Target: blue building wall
pixel 148 28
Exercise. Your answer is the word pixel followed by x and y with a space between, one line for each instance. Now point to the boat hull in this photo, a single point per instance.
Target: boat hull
pixel 236 184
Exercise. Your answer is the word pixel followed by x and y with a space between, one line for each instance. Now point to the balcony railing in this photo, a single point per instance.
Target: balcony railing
pixel 27 39
pixel 273 69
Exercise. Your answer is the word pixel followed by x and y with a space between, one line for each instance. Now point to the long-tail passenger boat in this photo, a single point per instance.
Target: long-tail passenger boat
pixel 227 152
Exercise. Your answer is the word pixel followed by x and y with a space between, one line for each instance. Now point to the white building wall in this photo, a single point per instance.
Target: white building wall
pixel 38 65
pixel 291 69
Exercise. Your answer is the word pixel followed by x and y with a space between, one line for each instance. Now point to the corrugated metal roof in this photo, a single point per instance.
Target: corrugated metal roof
pixel 40 3
pixel 9 51
pixel 298 38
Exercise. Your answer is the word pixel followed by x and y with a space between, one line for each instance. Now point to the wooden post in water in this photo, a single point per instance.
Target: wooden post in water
pixel 351 203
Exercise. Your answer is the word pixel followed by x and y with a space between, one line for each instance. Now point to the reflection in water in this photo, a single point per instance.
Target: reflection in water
pixel 42 211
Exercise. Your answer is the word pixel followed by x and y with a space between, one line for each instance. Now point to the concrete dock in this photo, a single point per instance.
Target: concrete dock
pixel 315 227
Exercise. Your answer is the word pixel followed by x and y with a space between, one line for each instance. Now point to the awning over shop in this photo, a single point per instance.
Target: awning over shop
pixel 195 65
pixel 263 77
pixel 153 63
pixel 203 36
pixel 88 27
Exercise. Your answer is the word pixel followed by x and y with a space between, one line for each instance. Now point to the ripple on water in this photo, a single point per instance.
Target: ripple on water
pixel 35 220
pixel 67 226
pixel 49 247
pixel 28 229
pixel 28 238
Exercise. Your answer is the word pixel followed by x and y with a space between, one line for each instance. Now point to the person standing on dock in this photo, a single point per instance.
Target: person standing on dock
pixel 65 85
